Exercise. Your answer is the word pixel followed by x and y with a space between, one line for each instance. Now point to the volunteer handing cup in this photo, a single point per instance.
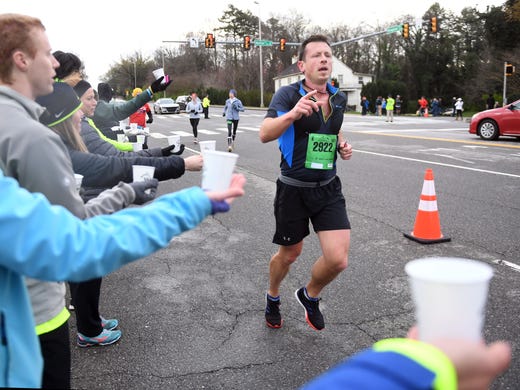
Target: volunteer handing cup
pixel 450 297
pixel 217 170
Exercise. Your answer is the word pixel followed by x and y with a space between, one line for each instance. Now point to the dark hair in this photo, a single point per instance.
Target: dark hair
pixel 69 63
pixel 312 38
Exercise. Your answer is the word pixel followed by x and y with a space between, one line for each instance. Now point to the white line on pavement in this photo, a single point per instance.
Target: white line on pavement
pixel 439 163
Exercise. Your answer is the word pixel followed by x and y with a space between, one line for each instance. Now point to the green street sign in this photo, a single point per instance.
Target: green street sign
pixel 259 42
pixel 392 29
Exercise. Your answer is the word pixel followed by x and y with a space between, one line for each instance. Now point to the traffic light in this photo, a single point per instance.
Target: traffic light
pixel 510 69
pixel 282 44
pixel 209 42
pixel 247 42
pixel 434 27
pixel 406 30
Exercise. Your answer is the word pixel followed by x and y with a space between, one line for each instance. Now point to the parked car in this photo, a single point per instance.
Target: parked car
pixel 491 124
pixel 166 106
pixel 182 100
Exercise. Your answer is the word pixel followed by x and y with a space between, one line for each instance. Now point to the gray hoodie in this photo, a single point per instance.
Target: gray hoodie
pixel 36 157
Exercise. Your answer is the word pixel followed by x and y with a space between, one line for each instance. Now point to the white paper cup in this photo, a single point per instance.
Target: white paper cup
pixel 133 126
pixel 175 140
pixel 158 73
pixel 122 125
pixel 79 179
pixel 207 145
pixel 142 172
pixel 121 138
pixel 450 296
pixel 141 138
pixel 136 146
pixel 217 170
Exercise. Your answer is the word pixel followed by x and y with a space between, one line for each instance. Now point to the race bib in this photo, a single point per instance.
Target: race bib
pixel 321 150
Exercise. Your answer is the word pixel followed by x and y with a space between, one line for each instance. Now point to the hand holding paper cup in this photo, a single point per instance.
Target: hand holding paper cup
pixel 158 73
pixel 175 140
pixel 217 170
pixel 450 296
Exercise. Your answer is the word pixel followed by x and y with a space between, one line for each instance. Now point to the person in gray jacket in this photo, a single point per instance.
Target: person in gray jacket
pixel 36 157
pixel 91 134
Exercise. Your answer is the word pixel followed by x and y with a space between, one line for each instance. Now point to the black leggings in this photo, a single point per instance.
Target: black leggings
pixel 55 348
pixel 194 124
pixel 85 298
pixel 232 125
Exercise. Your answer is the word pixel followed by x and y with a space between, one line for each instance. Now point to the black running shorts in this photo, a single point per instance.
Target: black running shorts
pixel 294 206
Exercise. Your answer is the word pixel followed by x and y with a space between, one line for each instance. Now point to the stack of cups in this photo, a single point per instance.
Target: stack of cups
pixel 217 170
pixel 450 297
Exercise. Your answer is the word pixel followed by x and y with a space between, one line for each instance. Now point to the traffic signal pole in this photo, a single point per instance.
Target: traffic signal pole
pixel 504 95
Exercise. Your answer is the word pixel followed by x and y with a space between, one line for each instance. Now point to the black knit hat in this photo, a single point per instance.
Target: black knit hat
pixel 61 104
pixel 82 87
pixel 69 63
pixel 105 92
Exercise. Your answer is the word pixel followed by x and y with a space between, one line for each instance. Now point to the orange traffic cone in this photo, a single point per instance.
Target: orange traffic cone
pixel 427 229
pixel 426 112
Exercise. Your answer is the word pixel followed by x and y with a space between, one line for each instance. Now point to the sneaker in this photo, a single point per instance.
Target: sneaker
pixel 273 319
pixel 313 315
pixel 195 140
pixel 106 337
pixel 230 148
pixel 109 324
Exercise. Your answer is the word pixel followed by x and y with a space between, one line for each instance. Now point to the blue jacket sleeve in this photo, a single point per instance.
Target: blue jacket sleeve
pixel 391 364
pixel 43 238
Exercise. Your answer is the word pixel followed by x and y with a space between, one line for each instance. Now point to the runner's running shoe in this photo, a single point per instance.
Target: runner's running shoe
pixel 313 315
pixel 273 319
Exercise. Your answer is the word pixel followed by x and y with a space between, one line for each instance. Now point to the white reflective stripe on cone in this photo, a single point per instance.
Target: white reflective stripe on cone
pixel 428 188
pixel 428 205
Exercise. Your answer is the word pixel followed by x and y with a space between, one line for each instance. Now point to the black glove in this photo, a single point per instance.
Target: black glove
pixel 144 190
pixel 158 87
pixel 167 151
pixel 224 114
pixel 150 118
pixel 193 111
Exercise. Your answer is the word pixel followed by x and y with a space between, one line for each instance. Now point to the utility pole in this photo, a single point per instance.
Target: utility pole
pixel 260 55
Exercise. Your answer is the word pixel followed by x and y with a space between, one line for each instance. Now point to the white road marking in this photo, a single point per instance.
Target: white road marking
pixel 439 163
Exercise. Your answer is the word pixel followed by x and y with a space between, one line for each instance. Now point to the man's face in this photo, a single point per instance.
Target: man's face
pixel 41 68
pixel 317 64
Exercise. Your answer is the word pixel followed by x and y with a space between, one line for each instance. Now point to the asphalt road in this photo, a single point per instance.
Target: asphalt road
pixel 192 314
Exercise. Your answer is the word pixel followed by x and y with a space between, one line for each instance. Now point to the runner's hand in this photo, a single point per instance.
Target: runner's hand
pixel 306 106
pixel 345 150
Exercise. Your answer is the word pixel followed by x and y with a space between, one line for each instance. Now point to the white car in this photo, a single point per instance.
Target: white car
pixel 166 106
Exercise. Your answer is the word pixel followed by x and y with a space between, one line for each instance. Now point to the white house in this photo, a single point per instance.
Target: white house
pixel 349 81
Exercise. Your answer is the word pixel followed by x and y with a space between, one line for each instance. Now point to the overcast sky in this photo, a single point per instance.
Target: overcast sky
pixel 101 32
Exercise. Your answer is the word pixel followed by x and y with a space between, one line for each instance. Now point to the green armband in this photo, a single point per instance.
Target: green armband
pixel 426 355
